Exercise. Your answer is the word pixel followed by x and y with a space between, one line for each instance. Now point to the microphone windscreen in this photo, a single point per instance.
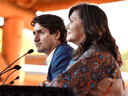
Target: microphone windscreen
pixel 30 51
pixel 17 77
pixel 11 82
pixel 17 67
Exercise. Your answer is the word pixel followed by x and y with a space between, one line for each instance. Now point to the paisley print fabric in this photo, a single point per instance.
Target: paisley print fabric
pixel 93 66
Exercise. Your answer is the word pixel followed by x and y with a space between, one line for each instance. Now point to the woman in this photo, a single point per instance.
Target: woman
pixel 96 71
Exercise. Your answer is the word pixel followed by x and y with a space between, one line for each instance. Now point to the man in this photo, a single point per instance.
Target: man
pixel 50 38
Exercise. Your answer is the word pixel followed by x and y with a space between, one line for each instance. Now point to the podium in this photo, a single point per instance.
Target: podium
pixel 35 91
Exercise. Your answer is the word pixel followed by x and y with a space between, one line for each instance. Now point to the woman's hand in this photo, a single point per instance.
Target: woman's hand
pixel 42 84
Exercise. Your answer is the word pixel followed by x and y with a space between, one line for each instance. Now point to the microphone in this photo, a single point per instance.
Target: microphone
pixel 10 74
pixel 15 67
pixel 29 52
pixel 10 83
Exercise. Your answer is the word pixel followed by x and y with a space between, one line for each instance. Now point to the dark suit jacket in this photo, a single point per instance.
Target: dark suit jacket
pixel 60 60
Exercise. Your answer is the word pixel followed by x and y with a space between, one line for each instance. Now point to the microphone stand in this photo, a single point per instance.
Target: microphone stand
pixel 15 67
pixel 10 83
pixel 29 52
pixel 13 62
pixel 8 76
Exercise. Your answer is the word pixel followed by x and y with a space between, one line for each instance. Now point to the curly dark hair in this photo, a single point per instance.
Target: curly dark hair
pixel 96 30
pixel 53 23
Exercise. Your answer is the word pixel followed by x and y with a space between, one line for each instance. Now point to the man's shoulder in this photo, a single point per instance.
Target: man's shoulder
pixel 64 47
pixel 63 54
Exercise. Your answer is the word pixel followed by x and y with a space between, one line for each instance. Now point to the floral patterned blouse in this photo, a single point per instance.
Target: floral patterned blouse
pixel 94 65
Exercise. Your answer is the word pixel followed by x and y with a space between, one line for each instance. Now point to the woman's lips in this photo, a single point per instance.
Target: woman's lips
pixel 68 33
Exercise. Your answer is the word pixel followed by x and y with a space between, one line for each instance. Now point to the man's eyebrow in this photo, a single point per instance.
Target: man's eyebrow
pixel 38 30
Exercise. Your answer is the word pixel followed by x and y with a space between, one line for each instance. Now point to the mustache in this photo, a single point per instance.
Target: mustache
pixel 38 43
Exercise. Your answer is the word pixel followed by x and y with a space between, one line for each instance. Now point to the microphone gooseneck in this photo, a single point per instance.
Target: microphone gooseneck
pixel 6 71
pixel 12 82
pixel 29 52
pixel 9 75
pixel 15 67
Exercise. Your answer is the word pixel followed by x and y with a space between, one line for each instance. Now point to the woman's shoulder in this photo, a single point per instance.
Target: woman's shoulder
pixel 96 50
pixel 64 48
pixel 98 55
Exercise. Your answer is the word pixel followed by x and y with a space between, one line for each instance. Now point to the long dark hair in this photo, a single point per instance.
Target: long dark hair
pixel 53 23
pixel 96 30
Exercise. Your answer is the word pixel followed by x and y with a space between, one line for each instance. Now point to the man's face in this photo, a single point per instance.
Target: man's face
pixel 44 41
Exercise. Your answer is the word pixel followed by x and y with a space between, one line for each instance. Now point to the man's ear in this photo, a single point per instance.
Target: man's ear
pixel 57 34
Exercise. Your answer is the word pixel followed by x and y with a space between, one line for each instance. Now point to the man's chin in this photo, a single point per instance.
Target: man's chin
pixel 40 51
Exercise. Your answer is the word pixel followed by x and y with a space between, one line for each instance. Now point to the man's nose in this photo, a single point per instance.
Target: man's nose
pixel 36 38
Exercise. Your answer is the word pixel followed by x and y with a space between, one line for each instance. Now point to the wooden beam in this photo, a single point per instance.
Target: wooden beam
pixel 64 4
pixel 9 10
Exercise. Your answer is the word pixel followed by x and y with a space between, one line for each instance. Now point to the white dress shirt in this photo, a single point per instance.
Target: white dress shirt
pixel 49 58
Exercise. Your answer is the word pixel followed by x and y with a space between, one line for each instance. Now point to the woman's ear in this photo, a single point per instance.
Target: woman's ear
pixel 57 34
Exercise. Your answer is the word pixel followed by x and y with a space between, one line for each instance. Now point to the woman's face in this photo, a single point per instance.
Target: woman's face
pixel 75 29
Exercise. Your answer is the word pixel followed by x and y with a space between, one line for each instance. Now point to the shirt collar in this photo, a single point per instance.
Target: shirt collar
pixel 49 58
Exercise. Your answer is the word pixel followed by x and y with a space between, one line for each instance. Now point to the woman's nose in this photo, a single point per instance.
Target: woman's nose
pixel 67 27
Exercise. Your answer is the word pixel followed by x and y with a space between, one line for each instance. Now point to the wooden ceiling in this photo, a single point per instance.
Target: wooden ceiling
pixel 26 9
pixel 50 5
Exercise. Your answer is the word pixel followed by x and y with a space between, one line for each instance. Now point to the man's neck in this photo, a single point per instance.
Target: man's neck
pixel 55 45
